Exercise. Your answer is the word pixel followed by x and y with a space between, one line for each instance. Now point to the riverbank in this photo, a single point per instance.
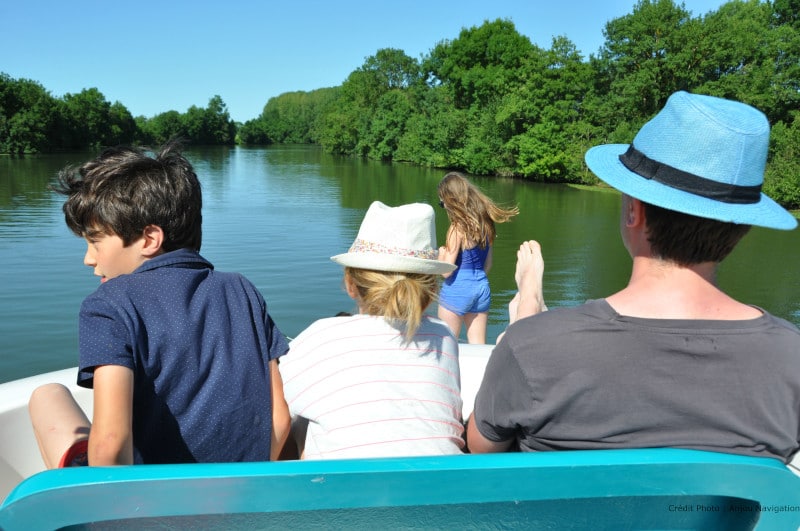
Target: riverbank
pixel 602 187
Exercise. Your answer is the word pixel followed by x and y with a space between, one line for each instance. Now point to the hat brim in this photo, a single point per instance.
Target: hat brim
pixel 604 162
pixel 393 263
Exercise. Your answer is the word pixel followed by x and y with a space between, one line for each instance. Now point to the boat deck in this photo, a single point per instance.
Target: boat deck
pixel 598 489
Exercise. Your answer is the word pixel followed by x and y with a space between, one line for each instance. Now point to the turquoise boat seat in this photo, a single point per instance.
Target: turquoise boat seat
pixel 599 489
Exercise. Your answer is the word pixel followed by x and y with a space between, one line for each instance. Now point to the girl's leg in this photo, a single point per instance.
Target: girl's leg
pixel 452 319
pixel 528 276
pixel 476 327
pixel 529 299
pixel 58 421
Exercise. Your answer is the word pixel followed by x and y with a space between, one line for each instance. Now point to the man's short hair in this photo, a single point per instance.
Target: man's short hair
pixel 686 239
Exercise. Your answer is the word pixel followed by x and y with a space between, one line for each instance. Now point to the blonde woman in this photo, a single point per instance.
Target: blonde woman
pixel 386 381
pixel 465 295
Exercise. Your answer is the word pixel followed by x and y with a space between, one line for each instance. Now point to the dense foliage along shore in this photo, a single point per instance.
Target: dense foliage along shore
pixel 488 102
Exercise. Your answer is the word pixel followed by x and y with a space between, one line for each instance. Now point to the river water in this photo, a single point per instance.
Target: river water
pixel 277 214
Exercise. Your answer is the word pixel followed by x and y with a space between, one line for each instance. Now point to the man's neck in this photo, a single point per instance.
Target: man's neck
pixel 660 289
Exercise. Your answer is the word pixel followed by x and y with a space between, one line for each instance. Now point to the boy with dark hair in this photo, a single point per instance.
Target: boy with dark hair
pixel 670 360
pixel 182 359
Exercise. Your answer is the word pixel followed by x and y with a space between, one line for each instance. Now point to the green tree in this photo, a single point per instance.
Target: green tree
pixel 481 73
pixel 787 12
pixel 82 117
pixel 392 69
pixel 162 127
pixel 27 116
pixel 339 131
pixel 88 119
pixel 388 124
pixel 219 129
pixel 205 126
pixel 782 179
pixel 254 132
pixel 292 117
pixel 481 64
pixel 23 133
pixel 545 134
pixel 289 118
pixel 123 126
pixel 346 127
pixel 751 59
pixel 434 136
pixel 643 60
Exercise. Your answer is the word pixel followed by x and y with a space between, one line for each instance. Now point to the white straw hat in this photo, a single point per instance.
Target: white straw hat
pixel 399 239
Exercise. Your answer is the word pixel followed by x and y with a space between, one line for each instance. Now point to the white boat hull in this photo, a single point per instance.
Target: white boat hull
pixel 19 453
pixel 20 459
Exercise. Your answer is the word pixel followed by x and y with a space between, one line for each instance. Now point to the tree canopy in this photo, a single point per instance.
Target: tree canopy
pixel 487 102
pixel 33 121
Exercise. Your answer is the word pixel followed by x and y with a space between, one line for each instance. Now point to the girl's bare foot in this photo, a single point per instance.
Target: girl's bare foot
pixel 528 276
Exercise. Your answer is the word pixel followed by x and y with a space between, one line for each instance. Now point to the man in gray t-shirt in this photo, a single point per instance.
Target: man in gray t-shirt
pixel 670 360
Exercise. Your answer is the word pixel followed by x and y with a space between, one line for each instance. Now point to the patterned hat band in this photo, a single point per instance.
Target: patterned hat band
pixel 364 246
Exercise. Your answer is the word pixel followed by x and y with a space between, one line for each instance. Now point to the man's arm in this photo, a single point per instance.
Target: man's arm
pixel 281 420
pixel 111 437
pixel 478 444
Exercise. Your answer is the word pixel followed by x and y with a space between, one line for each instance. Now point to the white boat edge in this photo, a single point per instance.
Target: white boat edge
pixel 19 452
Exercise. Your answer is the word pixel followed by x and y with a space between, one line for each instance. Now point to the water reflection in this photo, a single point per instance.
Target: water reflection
pixel 278 214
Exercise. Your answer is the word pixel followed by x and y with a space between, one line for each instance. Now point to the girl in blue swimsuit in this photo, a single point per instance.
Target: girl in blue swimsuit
pixel 465 296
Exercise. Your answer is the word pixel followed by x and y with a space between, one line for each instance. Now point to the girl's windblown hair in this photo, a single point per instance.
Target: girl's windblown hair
pixel 470 210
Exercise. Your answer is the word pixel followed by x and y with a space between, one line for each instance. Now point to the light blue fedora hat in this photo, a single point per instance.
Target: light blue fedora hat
pixel 699 155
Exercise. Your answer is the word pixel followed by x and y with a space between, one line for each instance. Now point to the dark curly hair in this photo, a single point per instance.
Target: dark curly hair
pixel 125 189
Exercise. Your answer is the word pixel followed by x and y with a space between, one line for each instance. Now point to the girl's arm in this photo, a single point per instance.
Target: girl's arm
pixel 449 251
pixel 487 264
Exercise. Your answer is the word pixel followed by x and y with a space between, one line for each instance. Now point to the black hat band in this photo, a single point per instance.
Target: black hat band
pixel 642 165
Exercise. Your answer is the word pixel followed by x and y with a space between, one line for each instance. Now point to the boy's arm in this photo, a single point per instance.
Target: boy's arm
pixel 281 420
pixel 111 437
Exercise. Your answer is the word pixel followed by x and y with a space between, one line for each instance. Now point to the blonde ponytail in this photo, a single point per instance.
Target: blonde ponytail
pixel 399 298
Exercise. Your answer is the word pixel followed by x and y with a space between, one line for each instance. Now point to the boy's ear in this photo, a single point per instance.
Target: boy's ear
pixel 153 239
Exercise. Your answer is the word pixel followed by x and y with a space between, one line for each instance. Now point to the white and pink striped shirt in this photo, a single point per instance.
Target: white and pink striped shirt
pixel 366 394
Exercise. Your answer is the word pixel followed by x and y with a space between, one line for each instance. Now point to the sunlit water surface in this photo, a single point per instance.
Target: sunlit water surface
pixel 277 215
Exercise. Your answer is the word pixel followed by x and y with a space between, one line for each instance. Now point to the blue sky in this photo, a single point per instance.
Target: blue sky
pixel 155 56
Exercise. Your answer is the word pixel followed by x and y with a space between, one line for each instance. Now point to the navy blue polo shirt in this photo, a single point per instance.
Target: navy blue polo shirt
pixel 198 342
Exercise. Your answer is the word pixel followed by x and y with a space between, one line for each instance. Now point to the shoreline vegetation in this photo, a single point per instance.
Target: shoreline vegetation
pixel 488 102
pixel 602 187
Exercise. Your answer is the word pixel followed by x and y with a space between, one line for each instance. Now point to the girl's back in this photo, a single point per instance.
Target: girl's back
pixel 367 393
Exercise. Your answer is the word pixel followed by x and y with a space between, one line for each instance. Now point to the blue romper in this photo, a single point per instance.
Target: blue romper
pixel 467 289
